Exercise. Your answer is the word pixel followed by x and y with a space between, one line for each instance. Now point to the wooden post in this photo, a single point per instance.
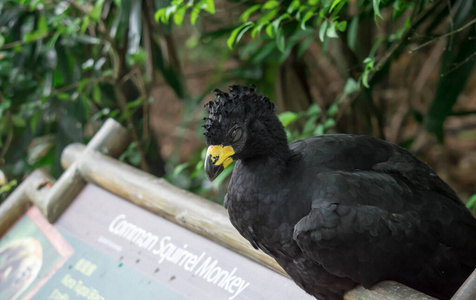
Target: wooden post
pixel 386 290
pixel 19 200
pixel 468 290
pixel 111 139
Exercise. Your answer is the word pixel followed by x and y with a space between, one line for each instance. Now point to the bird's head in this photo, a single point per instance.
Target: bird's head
pixel 241 124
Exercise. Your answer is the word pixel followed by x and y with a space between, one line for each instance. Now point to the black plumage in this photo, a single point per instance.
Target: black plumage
pixel 337 210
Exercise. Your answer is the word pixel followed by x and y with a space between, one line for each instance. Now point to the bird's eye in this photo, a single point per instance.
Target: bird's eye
pixel 236 134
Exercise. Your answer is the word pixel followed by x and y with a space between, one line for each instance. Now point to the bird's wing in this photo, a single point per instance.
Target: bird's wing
pixel 370 226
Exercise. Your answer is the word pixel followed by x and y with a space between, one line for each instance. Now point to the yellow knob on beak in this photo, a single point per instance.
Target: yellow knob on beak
pixel 218 158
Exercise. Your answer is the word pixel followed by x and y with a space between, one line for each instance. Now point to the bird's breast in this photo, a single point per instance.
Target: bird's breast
pixel 265 218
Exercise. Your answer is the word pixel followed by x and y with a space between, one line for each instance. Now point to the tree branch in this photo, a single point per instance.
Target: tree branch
pixel 444 36
pixel 122 101
pixel 19 43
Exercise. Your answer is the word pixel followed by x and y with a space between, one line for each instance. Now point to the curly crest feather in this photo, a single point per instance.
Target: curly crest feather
pixel 241 101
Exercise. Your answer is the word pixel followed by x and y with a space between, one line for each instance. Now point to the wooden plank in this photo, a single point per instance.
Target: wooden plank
pixel 386 290
pixel 468 290
pixel 111 139
pixel 18 202
pixel 196 214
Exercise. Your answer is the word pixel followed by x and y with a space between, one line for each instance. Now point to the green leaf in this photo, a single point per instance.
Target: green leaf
pixel 42 25
pixel 135 104
pixel 2 40
pixel 246 14
pixel 278 21
pixel 97 94
pixel 97 9
pixel 7 187
pixel 52 41
pixel 270 4
pixel 4 106
pixel 88 64
pixel 333 109
pixel 369 67
pixel 256 30
pixel 82 84
pixel 118 4
pixel 209 7
pixel 341 26
pixel 280 40
pixel 30 37
pixel 295 4
pixel 194 15
pixel 270 30
pixel 242 32
pixel 34 121
pixel 159 15
pixel 180 168
pixel 319 130
pixel 331 31
pixel 368 60
pixel 266 18
pixel 287 117
pixel 322 30
pixel 352 33
pixel 376 4
pixel 171 10
pixel 308 15
pixel 471 204
pixel 179 15
pixel 135 158
pixel 84 25
pixel 334 4
pixel 351 86
pixel 132 154
pixel 63 96
pixel 33 4
pixel 314 110
pixel 309 126
pixel 235 33
pixel 18 121
pixel 329 123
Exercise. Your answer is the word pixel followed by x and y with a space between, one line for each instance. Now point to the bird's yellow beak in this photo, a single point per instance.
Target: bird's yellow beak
pixel 217 159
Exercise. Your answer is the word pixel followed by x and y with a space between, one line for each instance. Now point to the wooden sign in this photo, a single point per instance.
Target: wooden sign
pixel 104 247
pixel 31 252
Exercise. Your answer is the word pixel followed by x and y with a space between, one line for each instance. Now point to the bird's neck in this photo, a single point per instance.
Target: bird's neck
pixel 269 144
pixel 280 152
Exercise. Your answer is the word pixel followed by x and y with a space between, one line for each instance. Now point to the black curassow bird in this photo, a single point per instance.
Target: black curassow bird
pixel 337 210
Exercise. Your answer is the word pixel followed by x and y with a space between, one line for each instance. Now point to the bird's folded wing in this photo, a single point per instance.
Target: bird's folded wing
pixel 367 225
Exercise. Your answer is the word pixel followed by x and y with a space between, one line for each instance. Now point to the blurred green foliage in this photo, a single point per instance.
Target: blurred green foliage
pixel 66 66
pixel 269 34
pixel 292 25
pixel 471 204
